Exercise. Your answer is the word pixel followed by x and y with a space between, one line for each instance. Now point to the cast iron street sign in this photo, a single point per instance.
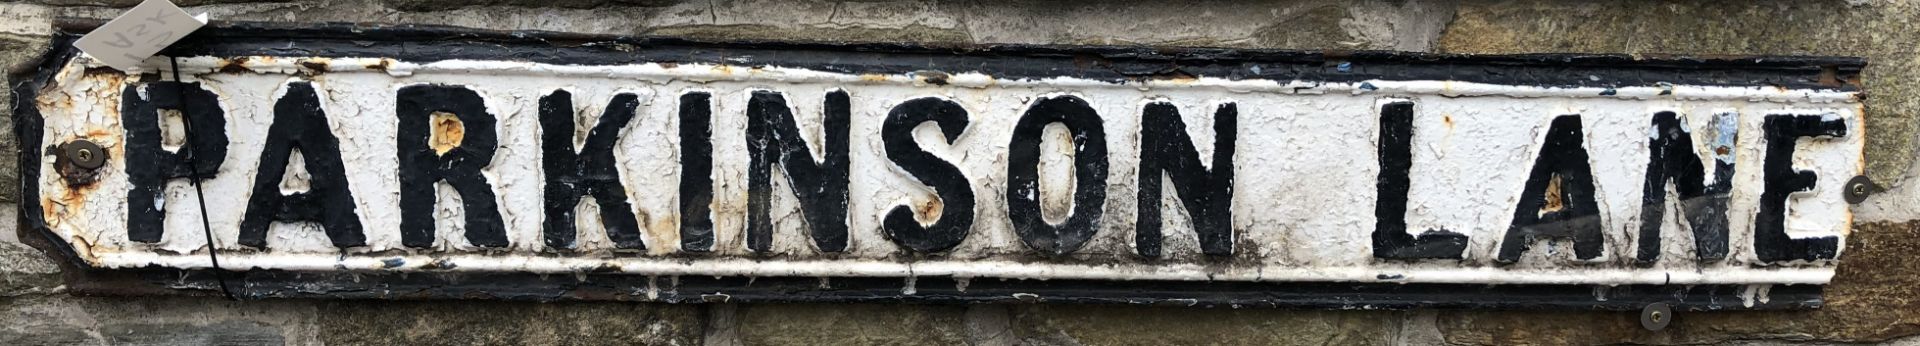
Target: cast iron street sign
pixel 432 162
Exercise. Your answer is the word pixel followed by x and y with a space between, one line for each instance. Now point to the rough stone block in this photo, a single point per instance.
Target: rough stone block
pixel 1130 325
pixel 506 323
pixel 70 320
pixel 234 333
pixel 24 270
pixel 431 5
pixel 15 50
pixel 49 337
pixel 130 3
pixel 848 324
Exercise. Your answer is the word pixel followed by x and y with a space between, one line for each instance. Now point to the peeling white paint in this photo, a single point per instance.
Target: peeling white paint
pixel 1303 206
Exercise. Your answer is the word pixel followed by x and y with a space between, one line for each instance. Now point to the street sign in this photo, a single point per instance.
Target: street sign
pixel 436 162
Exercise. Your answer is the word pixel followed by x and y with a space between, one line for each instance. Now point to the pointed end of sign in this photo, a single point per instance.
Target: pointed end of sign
pixel 202 18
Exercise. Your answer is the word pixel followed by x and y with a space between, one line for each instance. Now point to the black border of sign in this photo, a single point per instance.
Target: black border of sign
pixel 1104 63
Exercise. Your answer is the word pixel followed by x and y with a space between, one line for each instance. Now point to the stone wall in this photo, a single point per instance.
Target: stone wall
pixel 1872 299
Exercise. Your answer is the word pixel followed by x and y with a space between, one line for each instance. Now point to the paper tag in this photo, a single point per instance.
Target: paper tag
pixel 144 30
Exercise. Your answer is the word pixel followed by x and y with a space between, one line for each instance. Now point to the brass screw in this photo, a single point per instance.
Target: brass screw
pixel 83 154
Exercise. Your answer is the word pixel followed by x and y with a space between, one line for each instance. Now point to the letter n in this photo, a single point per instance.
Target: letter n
pixel 821 186
pixel 1207 194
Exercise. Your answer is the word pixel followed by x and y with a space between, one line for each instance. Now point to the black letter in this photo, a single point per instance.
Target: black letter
pixel 1705 206
pixel 150 166
pixel 955 192
pixel 821 186
pixel 1390 238
pixel 1089 168
pixel 1207 194
pixel 1770 240
pixel 1558 200
pixel 590 171
pixel 422 165
pixel 696 172
pixel 299 123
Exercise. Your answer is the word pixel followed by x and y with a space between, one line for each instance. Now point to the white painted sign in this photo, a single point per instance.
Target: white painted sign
pixel 667 169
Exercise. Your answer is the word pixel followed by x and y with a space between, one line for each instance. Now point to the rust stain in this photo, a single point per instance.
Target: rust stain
pixel 383 65
pixel 77 194
pixel 1830 76
pixel 49 213
pixel 1086 61
pixel 84 248
pixel 606 267
pixel 448 132
pixel 1554 201
pixel 315 65
pixel 931 77
pixel 66 205
pixel 1448 119
pixel 931 209
pixel 47 100
pixel 80 183
pixel 1177 76
pixel 99 71
pixel 664 232
pixel 235 65
pixel 873 77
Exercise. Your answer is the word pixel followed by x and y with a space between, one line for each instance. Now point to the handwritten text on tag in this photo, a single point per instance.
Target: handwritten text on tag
pixel 146 29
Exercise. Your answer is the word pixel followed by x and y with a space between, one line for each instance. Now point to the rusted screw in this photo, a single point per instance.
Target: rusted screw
pixel 78 161
pixel 85 154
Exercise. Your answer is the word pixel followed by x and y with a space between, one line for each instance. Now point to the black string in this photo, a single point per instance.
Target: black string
pixel 193 176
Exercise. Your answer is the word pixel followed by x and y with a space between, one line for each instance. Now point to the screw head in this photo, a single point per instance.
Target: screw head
pixel 85 154
pixel 1859 188
pixel 1656 316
